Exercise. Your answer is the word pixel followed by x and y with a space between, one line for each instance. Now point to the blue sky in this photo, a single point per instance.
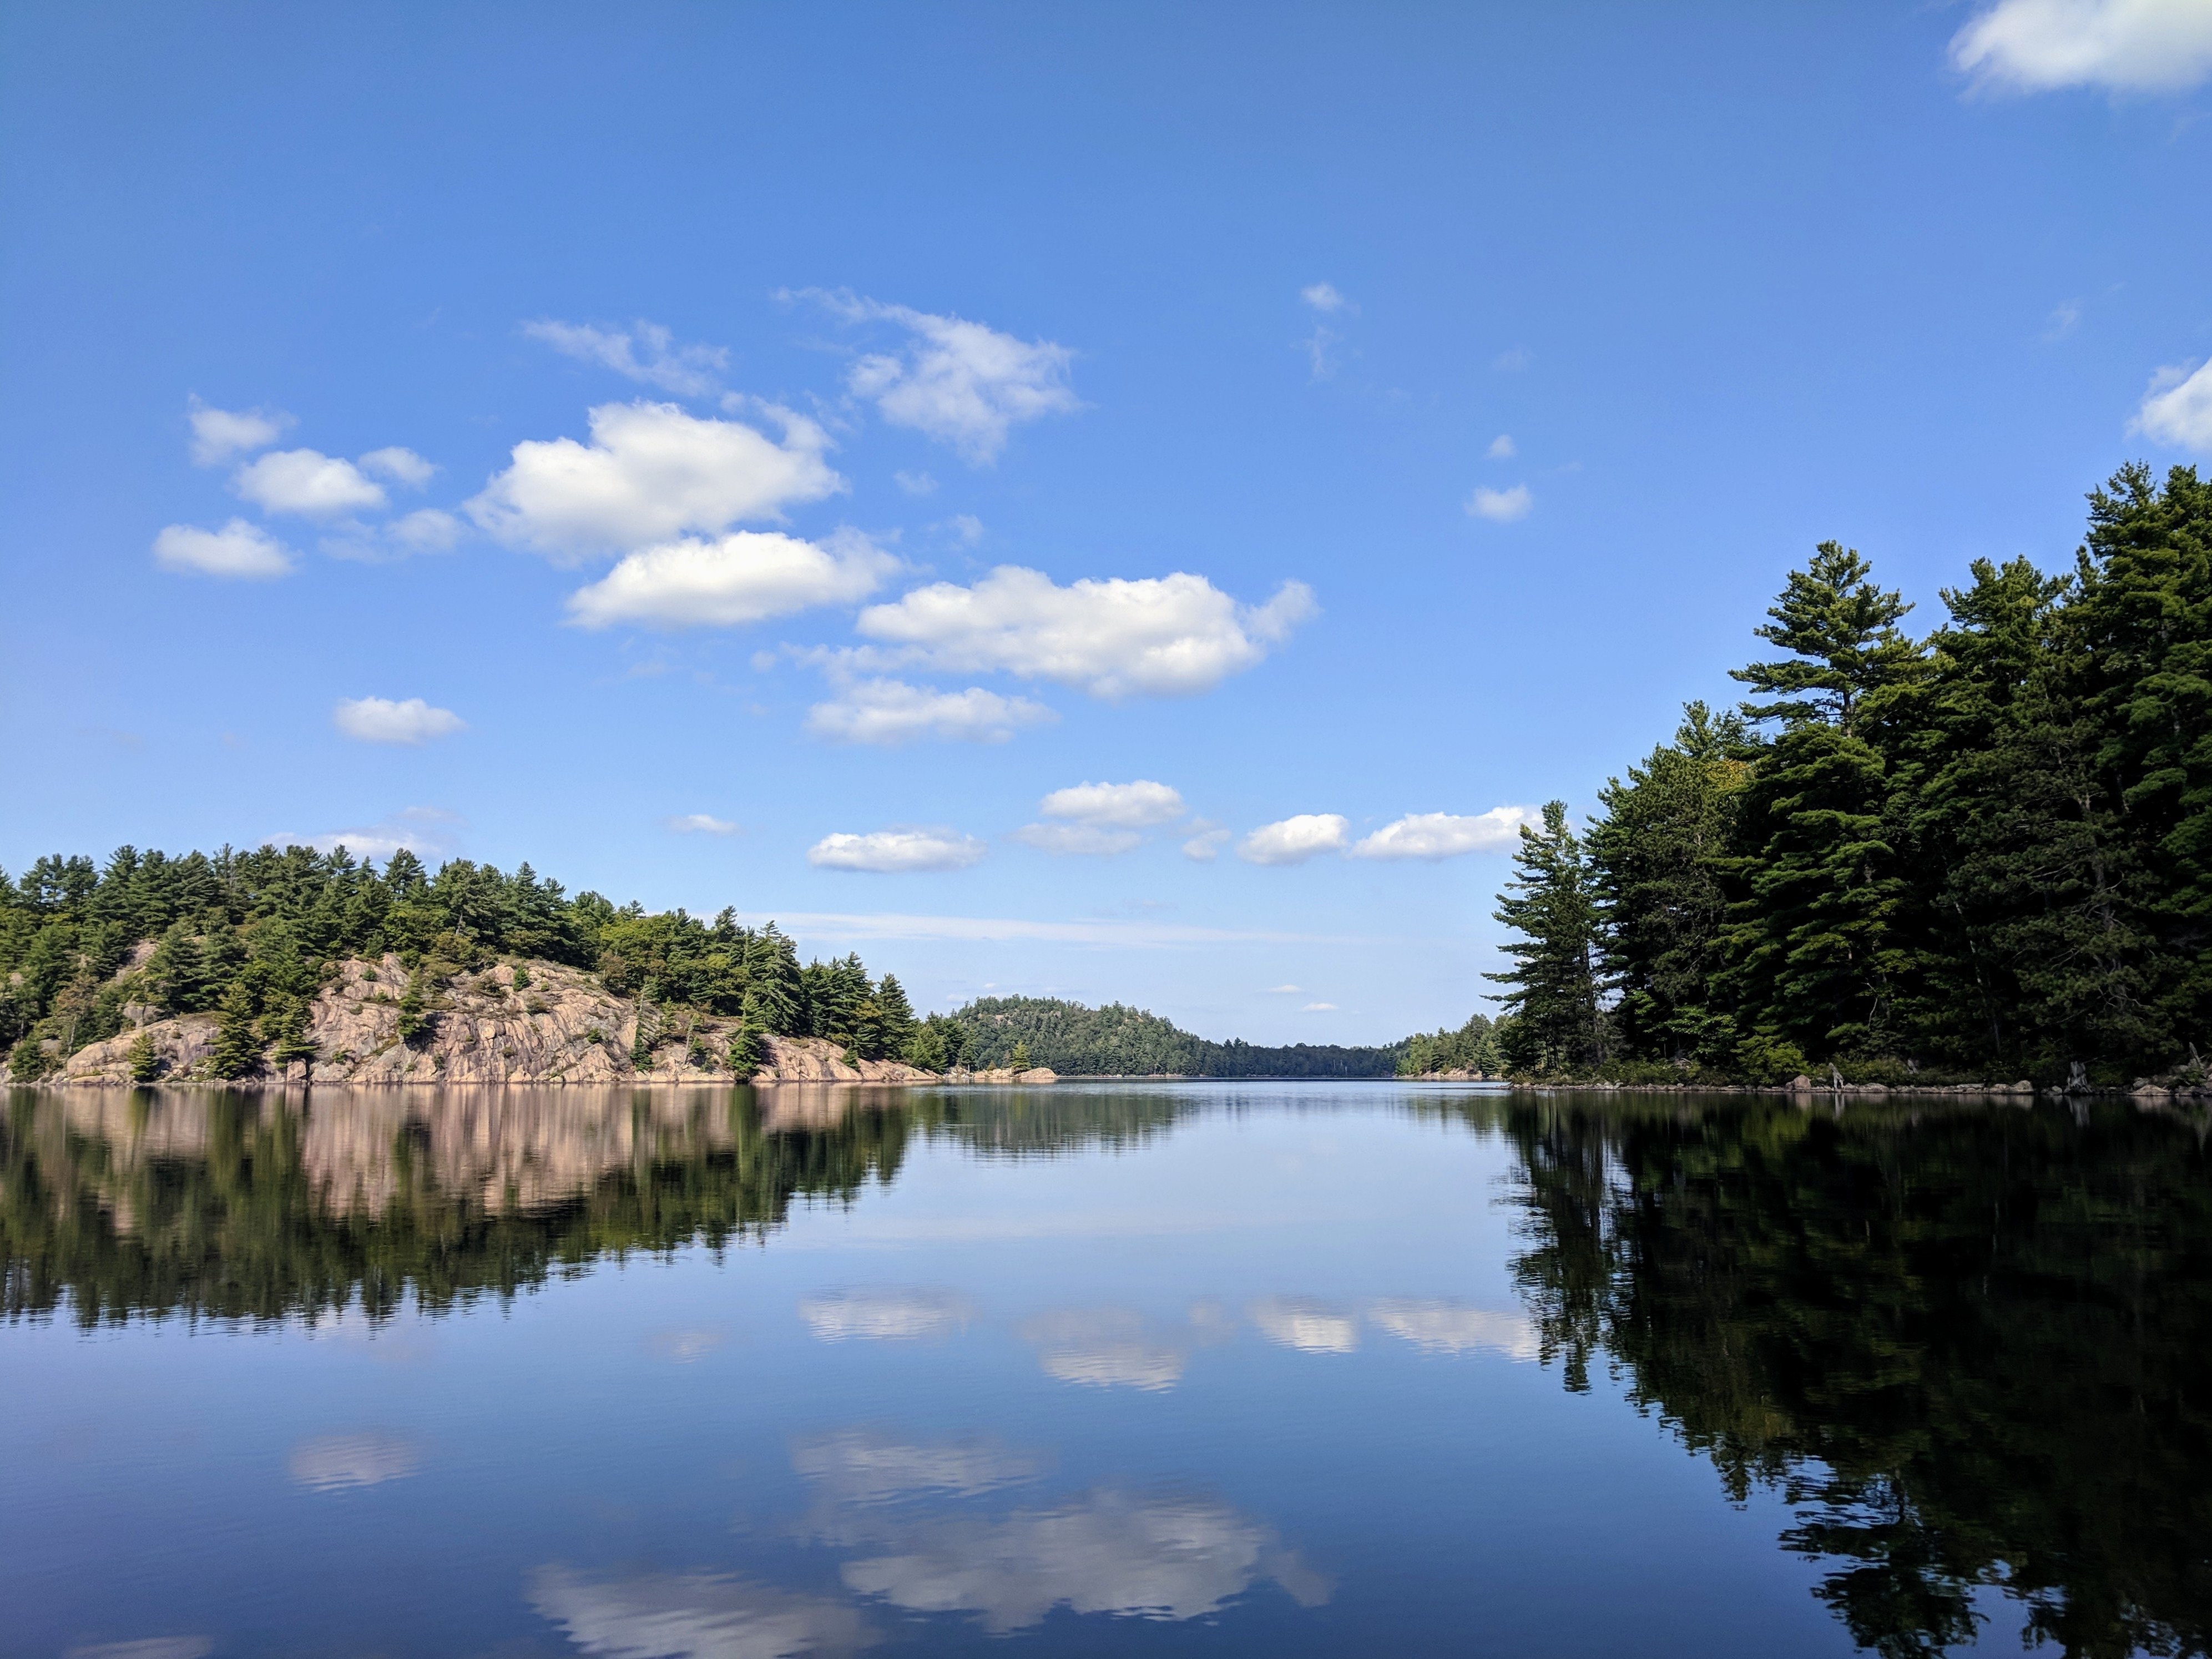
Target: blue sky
pixel 821 459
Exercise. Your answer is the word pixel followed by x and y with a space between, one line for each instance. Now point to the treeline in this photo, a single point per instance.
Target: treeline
pixel 87 949
pixel 1116 1041
pixel 1986 851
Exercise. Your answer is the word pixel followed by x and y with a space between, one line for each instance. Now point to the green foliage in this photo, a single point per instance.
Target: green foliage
pixel 145 1065
pixel 1985 853
pixel 1019 1059
pixel 1116 1041
pixel 1553 996
pixel 1473 1048
pixel 237 1038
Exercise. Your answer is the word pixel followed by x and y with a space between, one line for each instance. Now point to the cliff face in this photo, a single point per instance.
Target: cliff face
pixel 559 1026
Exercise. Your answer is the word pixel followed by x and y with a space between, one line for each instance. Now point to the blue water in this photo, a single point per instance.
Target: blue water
pixel 1225 1368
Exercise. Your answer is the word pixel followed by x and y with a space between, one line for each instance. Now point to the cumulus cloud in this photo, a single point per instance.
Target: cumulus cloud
pixel 1089 839
pixel 698 1615
pixel 2177 408
pixel 427 530
pixel 1117 638
pixel 2122 45
pixel 1295 840
pixel 896 1313
pixel 340 1462
pixel 959 382
pixel 1323 296
pixel 703 823
pixel 645 352
pixel 1309 1326
pixel 650 473
pixel 1501 448
pixel 1500 506
pixel 219 434
pixel 307 483
pixel 1206 846
pixel 380 720
pixel 1319 1008
pixel 239 548
pixel 915 483
pixel 745 576
pixel 888 712
pixel 1444 835
pixel 1454 1328
pixel 1137 806
pixel 402 466
pixel 1164 1557
pixel 896 851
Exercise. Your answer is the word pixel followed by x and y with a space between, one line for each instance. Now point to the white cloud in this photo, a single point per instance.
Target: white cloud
pixel 1454 1328
pixel 1319 347
pixel 960 382
pixel 340 1462
pixel 697 1615
pixel 703 824
pixel 645 352
pixel 1500 506
pixel 220 433
pixel 1137 806
pixel 844 926
pixel 239 548
pixel 650 473
pixel 402 466
pixel 1319 1008
pixel 1089 839
pixel 380 720
pixel 1206 846
pixel 2122 45
pixel 306 482
pixel 2177 408
pixel 967 529
pixel 1309 1326
pixel 429 530
pixel 1323 296
pixel 1167 1557
pixel 421 831
pixel 1501 448
pixel 1284 990
pixel 896 851
pixel 885 1314
pixel 1115 638
pixel 745 576
pixel 888 712
pixel 1295 840
pixel 1444 835
pixel 915 483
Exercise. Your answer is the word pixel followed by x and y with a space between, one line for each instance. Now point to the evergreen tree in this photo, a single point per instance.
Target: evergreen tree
pixel 1655 862
pixel 775 996
pixel 1816 955
pixel 895 1021
pixel 1551 901
pixel 237 1042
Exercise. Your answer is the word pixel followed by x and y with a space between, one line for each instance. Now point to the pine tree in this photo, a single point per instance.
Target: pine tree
pixel 895 1021
pixel 286 1024
pixel 1654 861
pixel 1551 901
pixel 144 1063
pixel 774 993
pixel 1020 1058
pixel 237 1043
pixel 1816 956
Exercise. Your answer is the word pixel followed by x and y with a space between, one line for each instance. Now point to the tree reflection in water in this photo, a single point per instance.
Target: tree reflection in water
pixel 1969 1345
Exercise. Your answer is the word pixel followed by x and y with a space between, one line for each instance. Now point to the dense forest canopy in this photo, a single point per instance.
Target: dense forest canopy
pixel 1120 1042
pixel 85 949
pixel 1987 852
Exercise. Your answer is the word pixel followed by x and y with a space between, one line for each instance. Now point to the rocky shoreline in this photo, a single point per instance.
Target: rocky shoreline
pixel 515 1023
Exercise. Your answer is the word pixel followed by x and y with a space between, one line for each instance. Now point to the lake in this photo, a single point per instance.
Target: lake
pixel 1100 1369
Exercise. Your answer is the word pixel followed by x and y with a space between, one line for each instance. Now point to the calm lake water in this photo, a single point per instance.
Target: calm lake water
pixel 1225 1369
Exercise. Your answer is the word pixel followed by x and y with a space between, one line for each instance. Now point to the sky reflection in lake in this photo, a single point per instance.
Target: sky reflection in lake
pixel 1240 1369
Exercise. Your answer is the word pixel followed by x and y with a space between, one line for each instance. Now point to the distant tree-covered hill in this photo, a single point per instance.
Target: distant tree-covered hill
pixel 1120 1041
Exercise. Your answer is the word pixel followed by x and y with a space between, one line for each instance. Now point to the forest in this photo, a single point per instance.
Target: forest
pixel 250 937
pixel 1981 854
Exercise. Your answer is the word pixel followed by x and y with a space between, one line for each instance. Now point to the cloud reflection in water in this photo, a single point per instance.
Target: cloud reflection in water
pixel 696 1615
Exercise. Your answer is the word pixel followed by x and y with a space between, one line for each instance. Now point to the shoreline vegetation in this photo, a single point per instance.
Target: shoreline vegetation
pixel 1976 861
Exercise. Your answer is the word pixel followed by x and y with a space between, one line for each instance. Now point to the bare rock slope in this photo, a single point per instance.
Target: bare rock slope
pixel 556 1026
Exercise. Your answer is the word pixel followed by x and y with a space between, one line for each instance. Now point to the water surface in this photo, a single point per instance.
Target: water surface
pixel 1172 1368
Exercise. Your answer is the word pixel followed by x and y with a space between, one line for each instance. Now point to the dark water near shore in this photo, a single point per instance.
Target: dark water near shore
pixel 1206 1368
